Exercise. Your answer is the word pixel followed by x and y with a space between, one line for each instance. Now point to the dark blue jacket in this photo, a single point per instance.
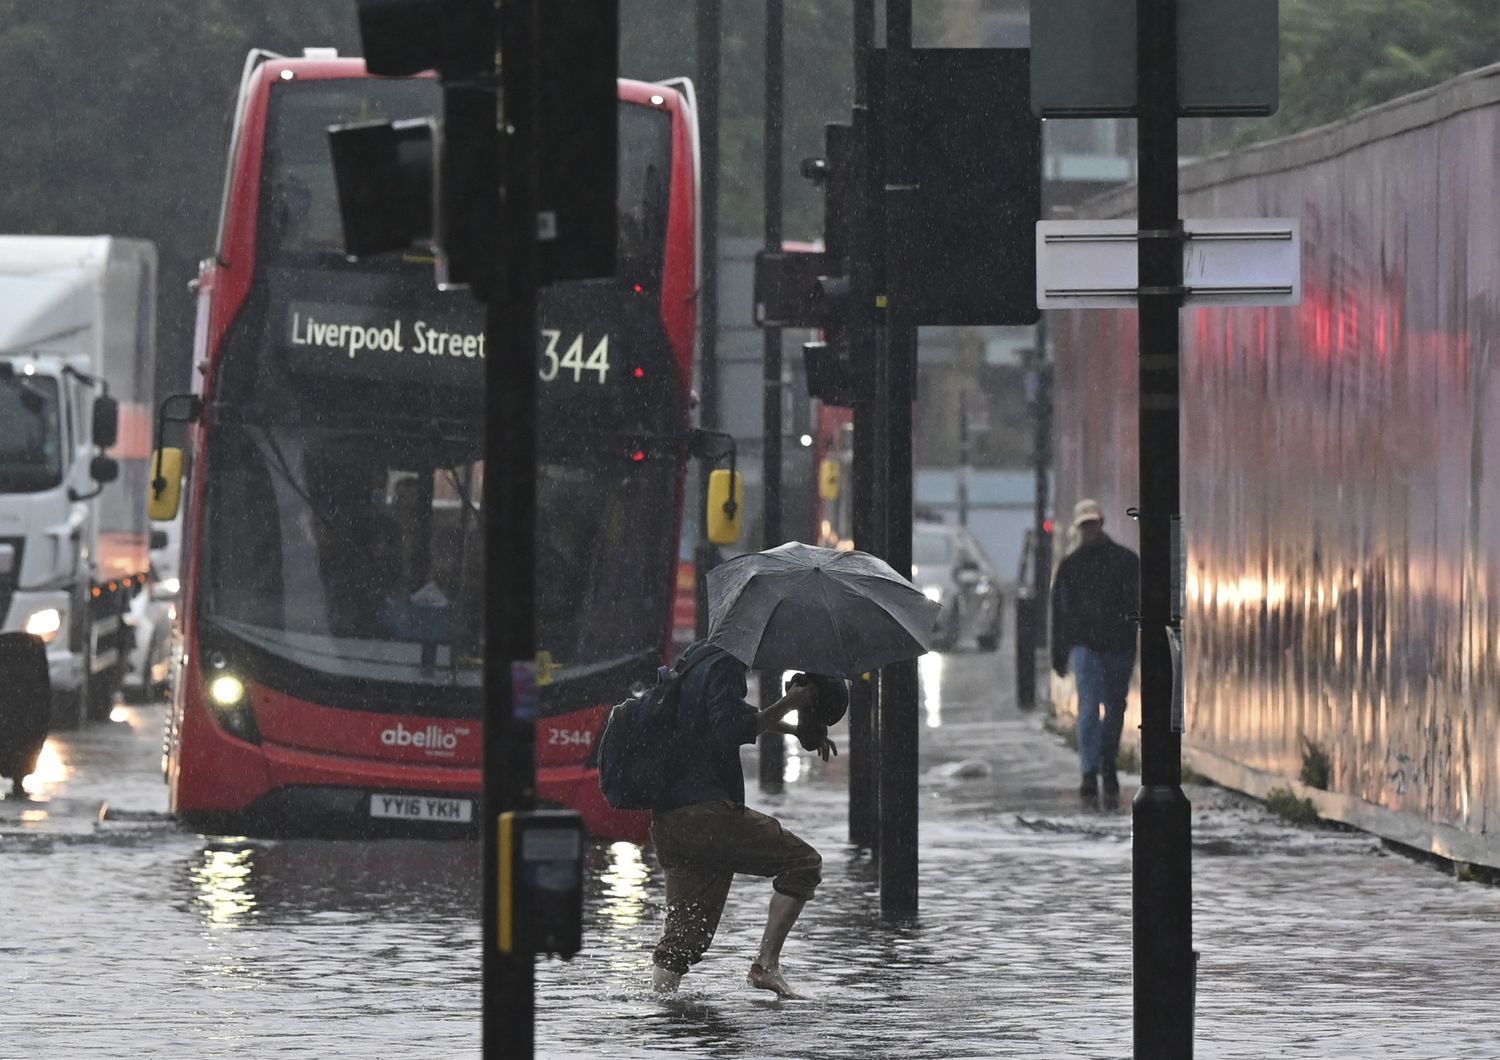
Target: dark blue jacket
pixel 713 721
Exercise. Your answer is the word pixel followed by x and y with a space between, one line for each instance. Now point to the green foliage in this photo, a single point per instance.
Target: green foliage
pixel 1283 803
pixel 116 122
pixel 1341 56
pixel 1316 767
pixel 657 40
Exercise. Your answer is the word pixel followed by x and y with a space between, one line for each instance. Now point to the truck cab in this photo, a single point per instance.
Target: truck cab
pixel 76 363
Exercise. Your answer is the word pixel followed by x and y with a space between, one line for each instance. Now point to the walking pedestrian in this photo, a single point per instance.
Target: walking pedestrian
pixel 1094 596
pixel 704 833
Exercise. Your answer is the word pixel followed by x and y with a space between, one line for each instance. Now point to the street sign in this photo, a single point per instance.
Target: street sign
pixel 1083 58
pixel 1225 262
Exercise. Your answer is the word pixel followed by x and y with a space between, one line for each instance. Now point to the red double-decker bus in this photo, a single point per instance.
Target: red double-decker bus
pixel 333 581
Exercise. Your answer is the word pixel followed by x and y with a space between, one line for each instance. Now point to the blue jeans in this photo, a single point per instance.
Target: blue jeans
pixel 1103 680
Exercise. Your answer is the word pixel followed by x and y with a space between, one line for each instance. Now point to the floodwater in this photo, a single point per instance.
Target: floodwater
pixel 124 936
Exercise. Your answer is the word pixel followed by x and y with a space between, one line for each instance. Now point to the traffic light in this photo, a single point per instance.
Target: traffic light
pixel 822 289
pixel 383 171
pixel 438 186
pixel 430 182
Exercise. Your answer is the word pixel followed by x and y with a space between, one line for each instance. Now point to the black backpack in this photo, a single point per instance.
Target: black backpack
pixel 638 748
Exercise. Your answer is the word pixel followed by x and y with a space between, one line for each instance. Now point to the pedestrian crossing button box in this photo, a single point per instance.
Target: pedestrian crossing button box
pixel 541 882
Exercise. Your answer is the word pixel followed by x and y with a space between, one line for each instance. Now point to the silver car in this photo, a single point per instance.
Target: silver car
pixel 951 568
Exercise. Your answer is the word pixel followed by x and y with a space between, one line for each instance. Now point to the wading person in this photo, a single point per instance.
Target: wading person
pixel 703 831
pixel 1093 634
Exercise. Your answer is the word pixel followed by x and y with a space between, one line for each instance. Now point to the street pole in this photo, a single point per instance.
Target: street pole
pixel 863 756
pixel 963 458
pixel 510 502
pixel 709 31
pixel 1161 896
pixel 898 682
pixel 1041 460
pixel 772 744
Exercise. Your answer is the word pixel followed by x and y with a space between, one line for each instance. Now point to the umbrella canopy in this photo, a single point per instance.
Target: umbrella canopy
pixel 798 607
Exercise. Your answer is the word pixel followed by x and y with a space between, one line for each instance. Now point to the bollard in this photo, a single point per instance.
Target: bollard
pixel 1026 640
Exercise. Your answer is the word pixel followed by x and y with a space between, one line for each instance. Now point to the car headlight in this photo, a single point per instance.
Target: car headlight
pixel 933 593
pixel 167 587
pixel 46 624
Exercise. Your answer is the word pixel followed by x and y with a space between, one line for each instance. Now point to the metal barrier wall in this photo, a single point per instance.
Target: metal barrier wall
pixel 1341 470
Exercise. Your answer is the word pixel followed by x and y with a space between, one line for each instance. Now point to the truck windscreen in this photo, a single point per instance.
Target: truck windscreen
pixel 31 456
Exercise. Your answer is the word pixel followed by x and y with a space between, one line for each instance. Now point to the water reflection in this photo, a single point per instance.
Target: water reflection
pixel 52 770
pixel 930 682
pixel 792 767
pixel 221 881
pixel 234 883
pixel 623 886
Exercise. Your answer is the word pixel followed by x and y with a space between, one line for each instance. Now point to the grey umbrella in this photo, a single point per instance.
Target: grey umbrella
pixel 799 607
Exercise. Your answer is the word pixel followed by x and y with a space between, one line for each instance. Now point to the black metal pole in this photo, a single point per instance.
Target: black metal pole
pixel 1161 895
pixel 1041 457
pixel 964 458
pixel 510 502
pixel 772 744
pixel 709 27
pixel 898 682
pixel 863 774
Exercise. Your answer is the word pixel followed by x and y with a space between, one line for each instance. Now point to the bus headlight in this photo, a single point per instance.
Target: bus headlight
pixel 46 624
pixel 231 706
pixel 227 691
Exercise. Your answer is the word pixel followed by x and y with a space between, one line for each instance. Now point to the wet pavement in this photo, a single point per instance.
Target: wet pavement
pixel 125 936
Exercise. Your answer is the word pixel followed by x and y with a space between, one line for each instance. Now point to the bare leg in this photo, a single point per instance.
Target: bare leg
pixel 664 980
pixel 766 971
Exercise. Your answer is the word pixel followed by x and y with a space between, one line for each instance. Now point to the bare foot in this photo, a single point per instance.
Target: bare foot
pixel 664 980
pixel 770 979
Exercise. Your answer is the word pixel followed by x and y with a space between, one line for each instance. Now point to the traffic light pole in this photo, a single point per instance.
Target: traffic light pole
pixel 709 31
pixel 510 499
pixel 863 754
pixel 772 744
pixel 1161 897
pixel 898 682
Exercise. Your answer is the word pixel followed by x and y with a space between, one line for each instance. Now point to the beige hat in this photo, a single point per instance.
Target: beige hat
pixel 1087 511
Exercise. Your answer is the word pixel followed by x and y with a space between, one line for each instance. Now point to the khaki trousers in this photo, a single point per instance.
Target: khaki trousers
pixel 701 848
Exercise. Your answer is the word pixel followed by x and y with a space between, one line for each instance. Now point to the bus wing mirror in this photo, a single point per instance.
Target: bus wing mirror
pixel 726 506
pixel 166 484
pixel 829 479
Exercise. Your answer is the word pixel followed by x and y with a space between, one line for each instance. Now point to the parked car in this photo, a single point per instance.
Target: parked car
pixel 950 567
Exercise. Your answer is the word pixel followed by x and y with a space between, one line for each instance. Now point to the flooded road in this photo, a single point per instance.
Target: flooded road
pixel 125 936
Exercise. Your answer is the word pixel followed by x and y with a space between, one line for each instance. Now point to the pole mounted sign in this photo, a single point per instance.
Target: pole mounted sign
pixel 1157 61
pixel 1225 262
pixel 1227 64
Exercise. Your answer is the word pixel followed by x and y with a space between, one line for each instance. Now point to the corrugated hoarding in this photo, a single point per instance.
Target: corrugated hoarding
pixel 1341 462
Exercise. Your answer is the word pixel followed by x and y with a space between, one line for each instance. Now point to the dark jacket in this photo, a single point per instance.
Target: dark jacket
pixel 713 720
pixel 1096 591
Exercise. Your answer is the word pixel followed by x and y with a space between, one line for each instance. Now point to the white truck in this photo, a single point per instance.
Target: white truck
pixel 77 368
